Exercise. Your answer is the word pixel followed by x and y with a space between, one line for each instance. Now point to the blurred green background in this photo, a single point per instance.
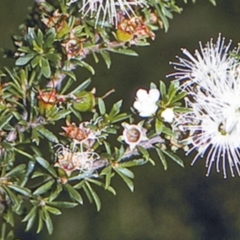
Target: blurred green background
pixel 176 204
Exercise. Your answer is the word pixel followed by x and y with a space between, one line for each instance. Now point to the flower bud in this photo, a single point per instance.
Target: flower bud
pixel 167 115
pixel 84 102
pixel 123 36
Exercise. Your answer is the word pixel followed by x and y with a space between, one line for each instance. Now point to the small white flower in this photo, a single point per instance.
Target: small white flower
pixel 168 115
pixel 145 103
pixel 212 83
pixel 108 10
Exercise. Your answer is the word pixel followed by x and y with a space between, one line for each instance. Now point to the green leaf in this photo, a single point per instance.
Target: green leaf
pixel 178 97
pixel 108 173
pixel 30 214
pixel 36 61
pixel 11 195
pixel 119 117
pixel 10 235
pixel 22 152
pixel 21 190
pixel 48 221
pixel 18 169
pixel 46 165
pixel 162 88
pixel 101 106
pixel 81 87
pixel 106 57
pixel 94 195
pixel 76 113
pixel 115 108
pixel 4 120
pixel 9 217
pixel 174 157
pixel 29 170
pixel 128 181
pixel 126 172
pixel 63 204
pixel 35 136
pixel 40 221
pixel 53 210
pixel 74 194
pixel 49 38
pixel 55 192
pixel 25 59
pixel 44 188
pixel 53 57
pixel 162 158
pixel 47 134
pixel 39 38
pixel 167 131
pixel 30 218
pixel 133 163
pixel 46 70
pixel 61 114
pixel 158 126
pixel 86 65
pixel 144 152
pixel 213 2
pixel 124 51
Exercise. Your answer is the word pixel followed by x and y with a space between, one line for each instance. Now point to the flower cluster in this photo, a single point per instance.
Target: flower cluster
pixel 212 82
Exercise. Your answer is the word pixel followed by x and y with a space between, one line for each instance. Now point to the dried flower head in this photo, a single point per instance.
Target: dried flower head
pixel 47 99
pixel 71 160
pixel 132 29
pixel 82 134
pixel 73 47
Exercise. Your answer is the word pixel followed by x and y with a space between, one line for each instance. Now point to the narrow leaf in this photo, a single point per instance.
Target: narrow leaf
pixel 102 107
pixel 21 190
pixel 47 134
pixel 63 204
pixel 126 180
pixel 162 158
pixel 95 196
pixel 74 194
pixel 46 165
pixel 174 157
pixel 44 188
pixel 53 210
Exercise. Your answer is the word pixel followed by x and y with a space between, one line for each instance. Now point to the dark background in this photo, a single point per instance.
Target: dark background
pixel 176 204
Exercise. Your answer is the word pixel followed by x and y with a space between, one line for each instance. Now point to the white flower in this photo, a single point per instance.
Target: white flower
pixel 168 115
pixel 145 103
pixel 211 62
pixel 213 95
pixel 108 10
